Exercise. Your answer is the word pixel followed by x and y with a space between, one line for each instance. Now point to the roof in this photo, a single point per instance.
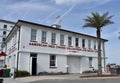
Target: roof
pixel 58 29
pixel 6 21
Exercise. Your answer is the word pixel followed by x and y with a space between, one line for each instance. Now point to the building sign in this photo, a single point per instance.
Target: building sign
pixel 71 49
pixel 12 49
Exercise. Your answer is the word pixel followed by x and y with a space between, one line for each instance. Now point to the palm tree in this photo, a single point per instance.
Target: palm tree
pixel 98 21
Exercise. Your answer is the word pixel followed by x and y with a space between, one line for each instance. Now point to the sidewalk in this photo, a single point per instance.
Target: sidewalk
pixel 36 78
pixel 50 77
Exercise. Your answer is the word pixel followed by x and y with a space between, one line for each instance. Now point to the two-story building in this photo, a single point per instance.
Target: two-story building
pixel 39 48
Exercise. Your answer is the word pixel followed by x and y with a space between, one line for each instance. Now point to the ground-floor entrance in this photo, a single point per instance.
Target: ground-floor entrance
pixel 34 64
pixel 73 63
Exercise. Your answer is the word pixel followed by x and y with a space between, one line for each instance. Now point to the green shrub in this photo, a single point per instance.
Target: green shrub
pixel 22 73
pixel 88 71
pixel 51 73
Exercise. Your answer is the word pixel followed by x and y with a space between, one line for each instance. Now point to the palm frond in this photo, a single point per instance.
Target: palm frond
pixel 97 20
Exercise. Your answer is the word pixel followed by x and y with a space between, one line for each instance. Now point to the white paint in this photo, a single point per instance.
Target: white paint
pixel 77 61
pixel 74 64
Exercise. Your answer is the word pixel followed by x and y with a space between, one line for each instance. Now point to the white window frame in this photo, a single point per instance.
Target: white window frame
pixel 89 44
pixel 95 45
pixel 61 39
pixel 77 42
pixel 83 43
pixel 53 38
pixel 44 37
pixel 52 61
pixel 69 41
pixel 33 34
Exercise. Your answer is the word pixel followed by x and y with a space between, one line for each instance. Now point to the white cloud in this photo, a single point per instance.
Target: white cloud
pixel 29 5
pixel 68 2
pixel 24 9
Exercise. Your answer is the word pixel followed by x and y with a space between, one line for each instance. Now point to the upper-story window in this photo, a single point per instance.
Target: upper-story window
pixel 61 39
pixel 83 43
pixel 89 44
pixel 5 26
pixel 4 32
pixel 69 41
pixel 33 34
pixel 95 45
pixel 44 36
pixel 53 39
pixel 76 42
pixel 3 39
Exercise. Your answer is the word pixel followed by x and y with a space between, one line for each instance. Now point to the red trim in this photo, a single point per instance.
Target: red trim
pixel 53 44
pixel 2 54
pixel 62 45
pixel 44 43
pixel 70 46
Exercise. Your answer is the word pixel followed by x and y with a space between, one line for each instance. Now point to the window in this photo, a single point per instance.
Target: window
pixel 4 32
pixel 44 35
pixel 69 41
pixel 52 60
pixel 89 44
pixel 90 61
pixel 76 42
pixel 3 39
pixel 94 45
pixel 33 34
pixel 83 43
pixel 61 39
pixel 53 39
pixel 5 26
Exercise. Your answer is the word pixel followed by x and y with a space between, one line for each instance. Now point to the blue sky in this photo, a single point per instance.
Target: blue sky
pixel 72 13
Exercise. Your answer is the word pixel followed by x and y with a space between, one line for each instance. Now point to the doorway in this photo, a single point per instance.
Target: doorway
pixel 34 64
pixel 73 63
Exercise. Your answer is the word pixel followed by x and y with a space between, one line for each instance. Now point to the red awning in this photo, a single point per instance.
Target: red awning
pixel 2 54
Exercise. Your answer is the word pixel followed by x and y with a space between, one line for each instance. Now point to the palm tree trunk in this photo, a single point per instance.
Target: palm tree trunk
pixel 99 52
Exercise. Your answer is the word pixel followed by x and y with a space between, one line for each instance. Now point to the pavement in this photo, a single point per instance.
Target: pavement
pixel 37 78
pixel 48 77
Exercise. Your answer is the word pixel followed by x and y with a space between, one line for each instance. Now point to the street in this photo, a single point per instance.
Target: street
pixel 105 80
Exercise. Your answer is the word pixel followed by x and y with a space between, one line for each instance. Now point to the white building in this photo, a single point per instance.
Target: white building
pixel 5 27
pixel 40 48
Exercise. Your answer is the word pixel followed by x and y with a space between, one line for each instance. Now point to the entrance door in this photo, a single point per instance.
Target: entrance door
pixel 34 66
pixel 33 63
